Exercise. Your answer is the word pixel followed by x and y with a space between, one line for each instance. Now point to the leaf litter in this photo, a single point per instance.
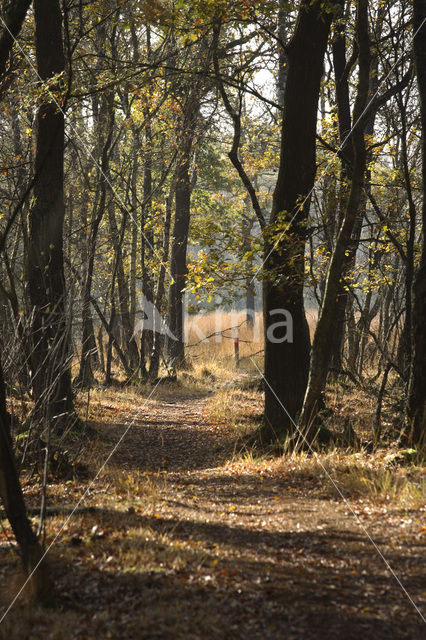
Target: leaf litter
pixel 186 539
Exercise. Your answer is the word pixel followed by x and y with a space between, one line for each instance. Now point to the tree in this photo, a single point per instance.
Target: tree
pixel 178 264
pixel 50 361
pixel 321 348
pixel 416 411
pixel 13 15
pixel 10 488
pixel 14 505
pixel 287 362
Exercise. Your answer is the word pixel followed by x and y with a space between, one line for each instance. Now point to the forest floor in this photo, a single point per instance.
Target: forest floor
pixel 187 538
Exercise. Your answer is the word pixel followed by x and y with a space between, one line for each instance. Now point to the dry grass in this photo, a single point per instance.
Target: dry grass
pixel 139 488
pixel 386 475
pixel 177 555
pixel 342 476
pixel 235 408
pixel 209 339
pixel 210 336
pixel 375 477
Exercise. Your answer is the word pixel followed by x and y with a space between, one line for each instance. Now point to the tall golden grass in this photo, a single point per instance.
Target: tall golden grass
pixel 210 336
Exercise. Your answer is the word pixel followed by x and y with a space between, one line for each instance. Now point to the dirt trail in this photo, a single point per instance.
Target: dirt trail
pixel 220 550
pixel 173 435
pixel 281 562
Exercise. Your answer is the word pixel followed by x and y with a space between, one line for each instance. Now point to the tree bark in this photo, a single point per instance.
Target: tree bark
pixel 13 13
pixel 147 235
pixel 321 352
pixel 154 362
pixel 282 27
pixel 416 409
pixel 345 123
pixel 405 346
pixel 287 361
pixel 178 266
pixel 123 290
pixel 104 131
pixel 51 377
pixel 14 506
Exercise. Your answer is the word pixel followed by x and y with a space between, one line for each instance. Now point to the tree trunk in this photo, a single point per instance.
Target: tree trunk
pixel 85 378
pixel 14 506
pixel 51 377
pixel 287 357
pixel 178 266
pixel 147 235
pixel 345 123
pixel 405 346
pixel 13 13
pixel 154 362
pixel 416 410
pixel 250 286
pixel 123 290
pixel 282 27
pixel 344 116
pixel 134 241
pixel 321 351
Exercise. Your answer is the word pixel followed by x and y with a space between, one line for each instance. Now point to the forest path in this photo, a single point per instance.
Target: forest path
pixel 278 559
pixel 174 434
pixel 189 542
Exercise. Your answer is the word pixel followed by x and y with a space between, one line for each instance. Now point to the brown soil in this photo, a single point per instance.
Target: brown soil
pixel 185 543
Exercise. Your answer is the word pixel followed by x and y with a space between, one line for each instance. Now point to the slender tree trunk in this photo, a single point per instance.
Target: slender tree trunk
pixel 147 236
pixel 134 241
pixel 14 506
pixel 282 27
pixel 344 116
pixel 416 410
pixel 405 346
pixel 178 266
pixel 250 286
pixel 133 187
pixel 158 337
pixel 321 352
pixel 287 356
pixel 85 376
pixel 51 377
pixel 345 123
pixel 123 290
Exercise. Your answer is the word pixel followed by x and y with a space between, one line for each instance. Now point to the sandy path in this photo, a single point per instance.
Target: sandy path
pixel 288 563
pixel 220 550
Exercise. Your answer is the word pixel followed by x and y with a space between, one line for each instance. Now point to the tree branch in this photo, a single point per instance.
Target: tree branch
pixel 236 119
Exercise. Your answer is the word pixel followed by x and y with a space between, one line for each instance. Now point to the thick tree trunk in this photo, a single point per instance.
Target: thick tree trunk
pixel 50 364
pixel 178 258
pixel 287 356
pixel 321 352
pixel 416 410
pixel 14 506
